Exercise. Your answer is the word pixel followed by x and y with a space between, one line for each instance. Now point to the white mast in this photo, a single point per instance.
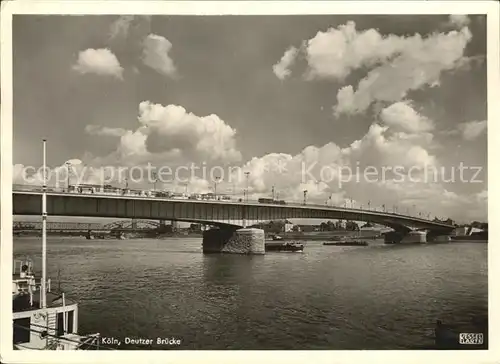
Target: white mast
pixel 43 293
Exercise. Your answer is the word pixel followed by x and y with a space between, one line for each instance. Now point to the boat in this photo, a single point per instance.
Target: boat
pixel 347 243
pixel 289 246
pixel 43 318
pixel 277 237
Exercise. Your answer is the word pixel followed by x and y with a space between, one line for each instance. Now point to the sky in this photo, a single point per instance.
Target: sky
pixel 296 101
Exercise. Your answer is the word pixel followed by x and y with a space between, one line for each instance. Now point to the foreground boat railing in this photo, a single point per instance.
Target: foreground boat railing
pixel 68 342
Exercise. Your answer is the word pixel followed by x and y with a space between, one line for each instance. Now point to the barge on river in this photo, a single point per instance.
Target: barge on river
pixel 288 246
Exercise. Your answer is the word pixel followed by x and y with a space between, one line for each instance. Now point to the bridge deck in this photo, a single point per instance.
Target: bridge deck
pixel 205 211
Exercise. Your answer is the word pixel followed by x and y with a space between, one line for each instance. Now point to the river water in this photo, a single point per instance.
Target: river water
pixel 329 297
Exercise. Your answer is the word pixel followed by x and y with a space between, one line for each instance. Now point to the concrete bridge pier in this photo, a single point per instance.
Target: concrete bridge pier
pixel 234 241
pixel 405 237
pixel 437 236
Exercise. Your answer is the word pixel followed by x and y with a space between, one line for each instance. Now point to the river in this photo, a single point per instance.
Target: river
pixel 329 297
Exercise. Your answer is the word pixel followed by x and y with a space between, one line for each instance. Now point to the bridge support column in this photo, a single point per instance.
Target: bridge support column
pixel 241 241
pixel 438 237
pixel 410 237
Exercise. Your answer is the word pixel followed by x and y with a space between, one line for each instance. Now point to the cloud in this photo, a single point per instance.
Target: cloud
pixel 105 131
pixel 338 51
pixel 402 116
pixel 472 129
pixel 461 207
pixel 119 28
pixel 419 62
pixel 155 55
pixel 459 20
pixel 172 126
pixel 99 61
pixel 281 69
pixel 399 137
pixel 395 64
pixel 168 133
pixel 382 147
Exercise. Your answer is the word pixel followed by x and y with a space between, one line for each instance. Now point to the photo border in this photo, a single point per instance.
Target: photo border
pixel 491 8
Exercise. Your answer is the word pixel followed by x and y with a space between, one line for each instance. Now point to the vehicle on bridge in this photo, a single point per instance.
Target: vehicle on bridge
pixel 271 201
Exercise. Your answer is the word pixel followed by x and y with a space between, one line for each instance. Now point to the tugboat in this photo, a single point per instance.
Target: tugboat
pixel 347 243
pixel 290 246
pixel 44 319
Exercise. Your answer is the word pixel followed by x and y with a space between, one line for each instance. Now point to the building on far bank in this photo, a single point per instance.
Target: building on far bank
pixel 466 230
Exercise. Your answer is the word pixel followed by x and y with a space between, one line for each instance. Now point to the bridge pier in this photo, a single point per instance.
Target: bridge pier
pixel 436 236
pixel 241 241
pixel 405 237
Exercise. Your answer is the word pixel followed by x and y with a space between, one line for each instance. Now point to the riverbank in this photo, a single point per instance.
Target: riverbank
pixel 327 235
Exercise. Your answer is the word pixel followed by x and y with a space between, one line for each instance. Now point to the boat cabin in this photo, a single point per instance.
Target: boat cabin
pixel 35 327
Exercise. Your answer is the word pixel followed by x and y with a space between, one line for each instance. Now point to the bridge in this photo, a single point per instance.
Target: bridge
pixel 124 225
pixel 225 214
pixel 230 218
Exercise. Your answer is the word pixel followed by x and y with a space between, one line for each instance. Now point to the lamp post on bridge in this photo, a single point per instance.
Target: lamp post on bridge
pixel 155 179
pixel 215 187
pixel 272 192
pixel 68 165
pixel 126 186
pixel 305 196
pixel 246 176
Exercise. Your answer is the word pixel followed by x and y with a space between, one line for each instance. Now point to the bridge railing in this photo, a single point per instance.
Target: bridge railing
pixel 163 195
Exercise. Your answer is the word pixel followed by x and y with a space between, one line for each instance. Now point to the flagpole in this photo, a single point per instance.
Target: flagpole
pixel 43 300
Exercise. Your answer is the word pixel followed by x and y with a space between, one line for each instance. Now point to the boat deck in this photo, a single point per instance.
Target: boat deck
pixel 21 302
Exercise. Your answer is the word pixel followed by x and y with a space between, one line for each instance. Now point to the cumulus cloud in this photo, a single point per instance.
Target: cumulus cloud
pixel 401 115
pixel 172 126
pixel 170 132
pixel 381 147
pixel 418 62
pixel 281 69
pixel 396 64
pixel 155 55
pixel 98 61
pixel 399 139
pixel 338 51
pixel 459 20
pixel 472 129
